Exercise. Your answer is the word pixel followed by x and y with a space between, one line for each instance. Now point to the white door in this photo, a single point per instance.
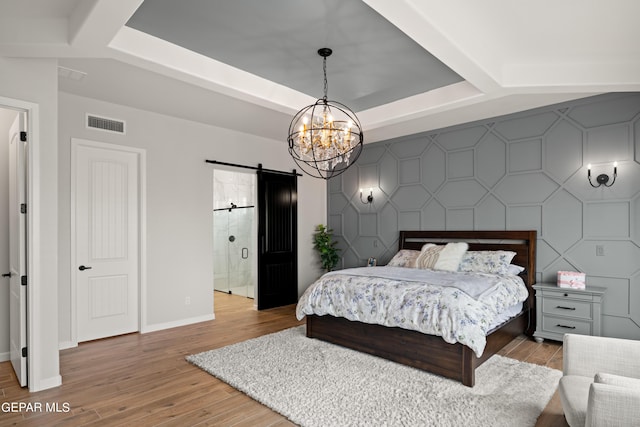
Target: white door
pixel 106 225
pixel 17 248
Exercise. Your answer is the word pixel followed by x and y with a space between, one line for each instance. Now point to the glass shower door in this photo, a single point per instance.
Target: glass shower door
pixel 234 251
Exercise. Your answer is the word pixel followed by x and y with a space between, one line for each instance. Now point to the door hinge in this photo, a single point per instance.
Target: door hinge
pixel 23 280
pixel 24 351
pixel 23 208
pixel 23 136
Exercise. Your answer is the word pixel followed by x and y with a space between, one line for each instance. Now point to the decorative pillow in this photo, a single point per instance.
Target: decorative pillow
pixel 515 269
pixel 404 258
pixel 429 256
pixel 617 380
pixel 493 262
pixel 441 257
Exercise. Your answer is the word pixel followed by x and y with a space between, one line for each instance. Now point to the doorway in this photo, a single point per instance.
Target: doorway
pixel 106 238
pixel 275 193
pixel 14 192
pixel 234 233
pixel 41 350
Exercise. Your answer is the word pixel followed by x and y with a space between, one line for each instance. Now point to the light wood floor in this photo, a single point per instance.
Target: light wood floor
pixel 144 380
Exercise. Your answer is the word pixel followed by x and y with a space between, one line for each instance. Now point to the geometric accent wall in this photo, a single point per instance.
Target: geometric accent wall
pixel 522 171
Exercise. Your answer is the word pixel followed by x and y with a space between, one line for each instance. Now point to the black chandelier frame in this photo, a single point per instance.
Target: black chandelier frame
pixel 314 164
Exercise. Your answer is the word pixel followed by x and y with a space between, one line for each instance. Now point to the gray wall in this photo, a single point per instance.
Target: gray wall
pixel 521 171
pixel 179 205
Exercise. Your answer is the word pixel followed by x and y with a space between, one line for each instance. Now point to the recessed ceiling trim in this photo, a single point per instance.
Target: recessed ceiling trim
pixel 95 23
pixel 444 98
pixel 482 108
pixel 140 49
pixel 573 77
pixel 415 21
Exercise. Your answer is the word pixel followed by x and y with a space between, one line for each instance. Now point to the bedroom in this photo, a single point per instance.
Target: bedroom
pixel 172 168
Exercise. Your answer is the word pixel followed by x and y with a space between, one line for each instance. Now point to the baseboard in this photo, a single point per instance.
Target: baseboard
pixel 149 328
pixel 46 383
pixel 177 323
pixel 43 384
pixel 67 344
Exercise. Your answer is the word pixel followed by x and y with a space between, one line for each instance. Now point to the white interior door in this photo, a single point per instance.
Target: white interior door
pixel 106 225
pixel 17 248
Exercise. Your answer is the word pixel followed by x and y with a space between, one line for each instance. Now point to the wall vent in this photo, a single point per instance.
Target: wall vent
pixel 106 124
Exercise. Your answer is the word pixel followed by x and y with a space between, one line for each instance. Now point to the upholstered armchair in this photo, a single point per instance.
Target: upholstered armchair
pixel 600 385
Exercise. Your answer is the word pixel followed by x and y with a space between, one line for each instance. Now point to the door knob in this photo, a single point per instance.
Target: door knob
pixel 83 268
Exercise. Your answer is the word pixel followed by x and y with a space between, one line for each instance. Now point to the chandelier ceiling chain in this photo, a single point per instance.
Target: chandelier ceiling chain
pixel 325 138
pixel 324 71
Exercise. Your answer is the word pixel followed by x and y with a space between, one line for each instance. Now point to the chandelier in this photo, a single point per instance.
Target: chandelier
pixel 325 138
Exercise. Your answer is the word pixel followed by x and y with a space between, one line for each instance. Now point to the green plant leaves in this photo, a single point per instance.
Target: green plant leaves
pixel 324 244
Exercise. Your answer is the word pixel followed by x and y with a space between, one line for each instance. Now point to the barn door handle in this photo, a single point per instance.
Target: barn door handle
pixel 7 274
pixel 83 268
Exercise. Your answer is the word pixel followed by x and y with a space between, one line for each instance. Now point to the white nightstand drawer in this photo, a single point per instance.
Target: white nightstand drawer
pixel 562 325
pixel 567 307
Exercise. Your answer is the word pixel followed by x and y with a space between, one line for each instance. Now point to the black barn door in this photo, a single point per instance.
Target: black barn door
pixel 277 240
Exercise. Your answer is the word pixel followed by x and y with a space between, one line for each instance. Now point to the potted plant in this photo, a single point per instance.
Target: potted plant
pixel 324 244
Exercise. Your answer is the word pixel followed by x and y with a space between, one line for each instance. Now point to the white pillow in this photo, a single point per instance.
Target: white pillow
pixel 617 380
pixel 514 269
pixel 441 257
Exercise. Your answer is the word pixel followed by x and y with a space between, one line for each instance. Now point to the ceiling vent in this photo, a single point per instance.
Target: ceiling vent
pixel 70 73
pixel 106 124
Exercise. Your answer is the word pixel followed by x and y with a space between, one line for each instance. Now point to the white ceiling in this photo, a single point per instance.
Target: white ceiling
pixel 405 66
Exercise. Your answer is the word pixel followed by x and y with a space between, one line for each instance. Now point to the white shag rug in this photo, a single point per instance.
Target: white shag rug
pixel 314 383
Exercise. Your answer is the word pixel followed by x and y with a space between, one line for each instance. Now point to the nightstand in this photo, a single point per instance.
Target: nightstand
pixel 567 310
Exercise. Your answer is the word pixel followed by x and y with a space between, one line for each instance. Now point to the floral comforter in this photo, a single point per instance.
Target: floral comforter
pixel 459 307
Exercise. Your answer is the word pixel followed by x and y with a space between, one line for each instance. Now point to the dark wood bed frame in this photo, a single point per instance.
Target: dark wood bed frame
pixel 429 352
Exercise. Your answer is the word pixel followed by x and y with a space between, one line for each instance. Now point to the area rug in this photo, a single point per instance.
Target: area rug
pixel 314 383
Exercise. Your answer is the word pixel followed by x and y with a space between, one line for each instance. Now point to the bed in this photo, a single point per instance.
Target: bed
pixel 431 352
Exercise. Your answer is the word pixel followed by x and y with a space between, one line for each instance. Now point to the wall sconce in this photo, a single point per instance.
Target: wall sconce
pixel 369 197
pixel 603 179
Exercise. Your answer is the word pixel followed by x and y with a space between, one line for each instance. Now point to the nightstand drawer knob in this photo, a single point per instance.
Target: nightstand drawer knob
pixel 566 295
pixel 565 326
pixel 565 308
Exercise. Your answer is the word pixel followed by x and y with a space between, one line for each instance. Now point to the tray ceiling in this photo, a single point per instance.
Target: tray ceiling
pixel 404 66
